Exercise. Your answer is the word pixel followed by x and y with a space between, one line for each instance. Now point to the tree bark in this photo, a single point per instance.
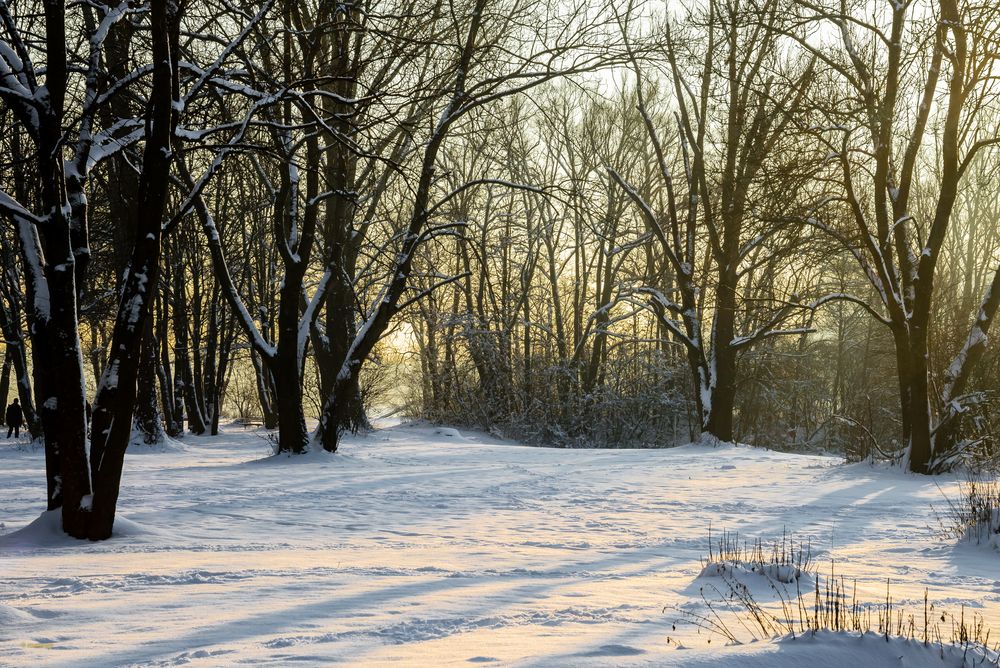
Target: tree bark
pixel 114 405
pixel 183 374
pixel 147 411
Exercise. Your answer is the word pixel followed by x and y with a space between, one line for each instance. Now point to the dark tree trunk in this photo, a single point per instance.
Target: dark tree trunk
pixel 55 338
pixel 293 435
pixel 25 391
pixel 123 191
pixel 114 405
pixel 211 400
pixel 265 390
pixel 338 224
pixel 59 377
pixel 147 412
pixel 197 347
pixel 5 385
pixel 183 375
pixel 173 412
pixel 222 372
pixel 919 409
pixel 719 422
pixel 340 315
pixel 341 405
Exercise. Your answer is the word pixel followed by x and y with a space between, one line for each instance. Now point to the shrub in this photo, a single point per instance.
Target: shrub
pixel 785 560
pixel 975 514
pixel 739 617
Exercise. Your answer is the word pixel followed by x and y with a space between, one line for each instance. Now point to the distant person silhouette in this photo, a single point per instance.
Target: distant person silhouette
pixel 15 416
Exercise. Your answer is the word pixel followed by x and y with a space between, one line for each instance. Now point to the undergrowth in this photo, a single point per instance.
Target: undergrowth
pixel 974 514
pixel 784 560
pixel 734 613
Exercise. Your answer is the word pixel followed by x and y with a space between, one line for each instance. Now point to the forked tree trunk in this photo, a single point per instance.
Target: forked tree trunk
pixel 51 291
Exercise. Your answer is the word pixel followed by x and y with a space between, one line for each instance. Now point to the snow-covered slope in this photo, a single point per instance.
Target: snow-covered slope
pixel 427 546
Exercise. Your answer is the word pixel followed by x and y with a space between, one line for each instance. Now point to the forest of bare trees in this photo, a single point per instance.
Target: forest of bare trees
pixel 570 222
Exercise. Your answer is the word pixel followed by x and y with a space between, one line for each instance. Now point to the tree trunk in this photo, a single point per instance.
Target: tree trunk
pixel 5 385
pixel 265 390
pixel 292 433
pixel 59 377
pixel 57 367
pixel 114 405
pixel 919 399
pixel 147 412
pixel 340 406
pixel 183 375
pixel 719 421
pixel 25 392
pixel 172 410
pixel 904 376
pixel 340 332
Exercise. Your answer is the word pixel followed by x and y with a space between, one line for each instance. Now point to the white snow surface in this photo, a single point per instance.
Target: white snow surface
pixel 429 546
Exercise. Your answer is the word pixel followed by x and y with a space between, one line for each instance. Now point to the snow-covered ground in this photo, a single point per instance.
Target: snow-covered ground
pixel 421 545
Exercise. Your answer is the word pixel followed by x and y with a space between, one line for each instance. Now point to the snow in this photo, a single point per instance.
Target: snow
pixel 829 650
pixel 427 545
pixel 758 581
pixel 12 207
pixel 45 531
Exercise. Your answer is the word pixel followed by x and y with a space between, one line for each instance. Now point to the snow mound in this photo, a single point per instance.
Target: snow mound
pixel 707 443
pixel 836 649
pixel 823 649
pixel 10 616
pixel 126 528
pixel 136 446
pixel 784 573
pixel 724 580
pixel 448 432
pixel 615 651
pixel 46 531
pixel 313 456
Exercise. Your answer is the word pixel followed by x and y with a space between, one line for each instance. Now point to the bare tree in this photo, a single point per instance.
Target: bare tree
pixel 54 251
pixel 909 74
pixel 709 216
pixel 491 52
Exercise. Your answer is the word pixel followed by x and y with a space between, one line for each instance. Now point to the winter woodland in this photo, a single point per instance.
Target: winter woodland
pixel 570 224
